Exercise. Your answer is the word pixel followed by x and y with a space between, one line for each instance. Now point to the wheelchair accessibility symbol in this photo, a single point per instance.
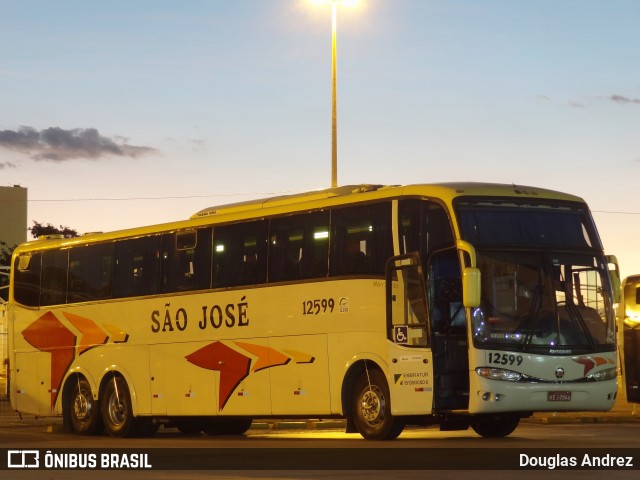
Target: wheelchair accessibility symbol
pixel 401 334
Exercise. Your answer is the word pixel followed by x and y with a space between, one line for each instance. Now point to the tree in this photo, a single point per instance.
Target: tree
pixel 5 261
pixel 39 229
pixel 5 254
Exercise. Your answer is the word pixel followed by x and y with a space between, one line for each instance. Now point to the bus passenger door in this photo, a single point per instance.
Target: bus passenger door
pixel 448 331
pixel 411 382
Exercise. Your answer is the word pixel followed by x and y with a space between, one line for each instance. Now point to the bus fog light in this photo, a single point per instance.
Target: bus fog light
pixel 486 396
pixel 498 397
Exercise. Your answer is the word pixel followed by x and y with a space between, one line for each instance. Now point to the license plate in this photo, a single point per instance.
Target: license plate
pixel 559 396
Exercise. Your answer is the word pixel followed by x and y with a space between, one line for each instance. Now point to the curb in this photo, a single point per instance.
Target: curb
pixel 567 418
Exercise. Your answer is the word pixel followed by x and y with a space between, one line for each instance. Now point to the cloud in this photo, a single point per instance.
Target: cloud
pixel 4 165
pixel 621 99
pixel 58 145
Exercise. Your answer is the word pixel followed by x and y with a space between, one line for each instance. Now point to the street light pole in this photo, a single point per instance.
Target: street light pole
pixel 334 100
pixel 334 82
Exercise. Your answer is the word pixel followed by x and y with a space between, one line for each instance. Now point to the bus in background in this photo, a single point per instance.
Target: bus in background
pixel 460 304
pixel 630 315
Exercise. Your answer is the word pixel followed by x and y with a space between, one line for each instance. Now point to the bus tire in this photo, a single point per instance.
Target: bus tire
pixel 117 412
pixel 371 408
pixel 84 411
pixel 495 426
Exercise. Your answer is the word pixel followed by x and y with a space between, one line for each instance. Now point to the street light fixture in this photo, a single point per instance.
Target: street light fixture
pixel 334 68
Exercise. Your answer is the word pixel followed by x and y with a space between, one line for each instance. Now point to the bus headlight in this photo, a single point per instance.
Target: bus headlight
pixel 607 374
pixel 498 374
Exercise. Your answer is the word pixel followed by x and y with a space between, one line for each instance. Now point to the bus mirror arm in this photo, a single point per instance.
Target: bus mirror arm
pixel 469 249
pixel 470 277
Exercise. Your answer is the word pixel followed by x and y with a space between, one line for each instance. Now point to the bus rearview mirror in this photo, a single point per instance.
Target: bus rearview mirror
pixel 471 287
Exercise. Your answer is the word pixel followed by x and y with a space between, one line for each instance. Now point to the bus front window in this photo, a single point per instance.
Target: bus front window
pixel 535 300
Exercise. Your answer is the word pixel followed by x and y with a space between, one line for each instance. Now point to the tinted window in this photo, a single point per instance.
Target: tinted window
pixel 136 267
pixel 54 277
pixel 26 279
pixel 186 260
pixel 240 254
pixel 299 246
pixel 90 272
pixel 424 227
pixel 362 240
pixel 485 223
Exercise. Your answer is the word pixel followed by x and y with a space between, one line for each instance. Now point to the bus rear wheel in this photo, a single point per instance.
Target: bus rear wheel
pixel 371 408
pixel 495 426
pixel 84 411
pixel 117 412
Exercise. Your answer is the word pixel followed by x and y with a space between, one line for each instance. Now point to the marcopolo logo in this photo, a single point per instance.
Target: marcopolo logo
pixel 23 459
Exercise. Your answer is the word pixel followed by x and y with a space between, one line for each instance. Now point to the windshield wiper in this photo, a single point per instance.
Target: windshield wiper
pixel 576 316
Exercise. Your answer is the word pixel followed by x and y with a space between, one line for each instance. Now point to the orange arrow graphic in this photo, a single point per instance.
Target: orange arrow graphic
pixel 47 334
pixel 92 335
pixel 233 367
pixel 267 356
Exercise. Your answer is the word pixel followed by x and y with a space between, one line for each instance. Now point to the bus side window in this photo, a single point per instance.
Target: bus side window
pixel 424 227
pixel 53 288
pixel 136 267
pixel 299 246
pixel 90 271
pixel 240 254
pixel 26 274
pixel 362 239
pixel 186 260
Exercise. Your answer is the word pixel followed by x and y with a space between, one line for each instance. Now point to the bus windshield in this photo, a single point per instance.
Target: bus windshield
pixel 535 298
pixel 497 223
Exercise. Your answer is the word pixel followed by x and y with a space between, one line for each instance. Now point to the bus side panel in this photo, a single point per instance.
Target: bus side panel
pixel 302 386
pixel 179 387
pixel 252 392
pixel 32 383
pixel 411 381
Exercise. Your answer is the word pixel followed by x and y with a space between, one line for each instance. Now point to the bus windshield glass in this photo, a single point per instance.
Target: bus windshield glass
pixel 545 285
pixel 500 222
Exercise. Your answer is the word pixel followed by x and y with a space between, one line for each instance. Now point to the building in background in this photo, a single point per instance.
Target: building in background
pixel 13 230
pixel 13 215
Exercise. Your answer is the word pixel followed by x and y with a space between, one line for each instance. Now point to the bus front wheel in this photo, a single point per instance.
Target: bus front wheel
pixel 495 426
pixel 371 408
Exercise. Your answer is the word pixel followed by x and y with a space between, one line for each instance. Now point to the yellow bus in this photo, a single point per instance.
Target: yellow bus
pixel 460 304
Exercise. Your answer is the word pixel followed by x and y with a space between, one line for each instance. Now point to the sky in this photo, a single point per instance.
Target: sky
pixel 127 113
